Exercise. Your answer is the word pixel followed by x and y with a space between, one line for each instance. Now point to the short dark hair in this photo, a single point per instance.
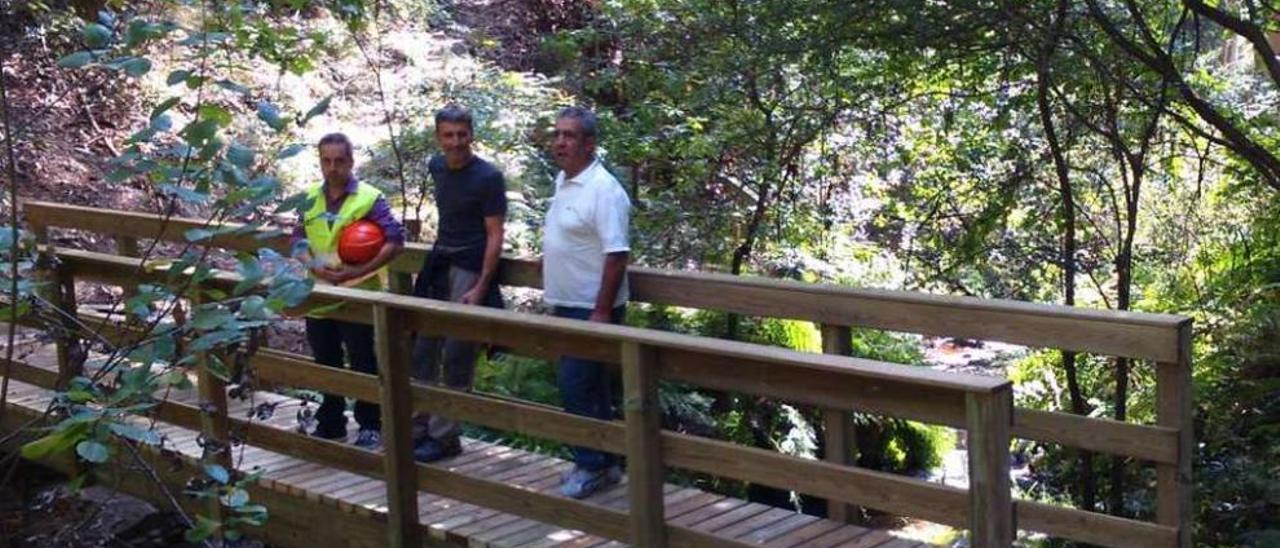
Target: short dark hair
pixel 337 139
pixel 584 116
pixel 455 114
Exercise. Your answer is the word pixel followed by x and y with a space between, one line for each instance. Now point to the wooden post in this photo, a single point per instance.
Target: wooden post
pixel 214 426
pixel 989 418
pixel 60 291
pixel 391 338
pixel 645 472
pixel 127 246
pixel 1174 409
pixel 838 437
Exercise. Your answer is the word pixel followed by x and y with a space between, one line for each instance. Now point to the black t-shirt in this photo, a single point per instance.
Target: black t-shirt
pixel 463 199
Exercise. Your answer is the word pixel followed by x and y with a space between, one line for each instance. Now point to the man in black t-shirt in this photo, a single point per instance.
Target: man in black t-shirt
pixel 471 203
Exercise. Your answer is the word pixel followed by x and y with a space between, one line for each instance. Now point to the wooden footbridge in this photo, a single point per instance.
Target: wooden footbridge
pixel 323 493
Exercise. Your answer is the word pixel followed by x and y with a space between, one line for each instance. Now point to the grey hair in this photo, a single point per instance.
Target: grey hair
pixel 585 117
pixel 337 139
pixel 455 114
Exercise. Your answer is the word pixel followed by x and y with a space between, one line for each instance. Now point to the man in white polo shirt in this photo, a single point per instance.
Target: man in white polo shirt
pixel 584 266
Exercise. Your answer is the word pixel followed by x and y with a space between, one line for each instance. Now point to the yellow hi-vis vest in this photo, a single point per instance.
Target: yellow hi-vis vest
pixel 323 230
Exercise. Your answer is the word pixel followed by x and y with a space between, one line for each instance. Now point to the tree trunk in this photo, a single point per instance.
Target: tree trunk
pixel 1087 494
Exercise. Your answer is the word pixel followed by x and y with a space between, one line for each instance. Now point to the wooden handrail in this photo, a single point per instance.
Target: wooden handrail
pixel 1127 334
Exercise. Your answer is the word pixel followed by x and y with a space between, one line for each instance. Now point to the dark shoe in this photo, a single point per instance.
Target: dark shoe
pixel 368 439
pixel 431 449
pixel 339 433
pixel 581 483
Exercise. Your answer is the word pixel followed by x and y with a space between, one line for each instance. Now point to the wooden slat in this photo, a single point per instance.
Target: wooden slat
pixel 1137 335
pixel 1154 443
pixel 1175 410
pixel 991 513
pixel 645 472
pixel 837 431
pixel 1092 527
pixel 30 374
pixel 883 491
pixel 391 344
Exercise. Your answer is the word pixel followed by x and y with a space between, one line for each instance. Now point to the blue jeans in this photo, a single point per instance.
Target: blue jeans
pixel 586 389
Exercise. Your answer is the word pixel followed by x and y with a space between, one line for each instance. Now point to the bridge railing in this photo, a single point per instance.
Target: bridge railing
pixel 1161 339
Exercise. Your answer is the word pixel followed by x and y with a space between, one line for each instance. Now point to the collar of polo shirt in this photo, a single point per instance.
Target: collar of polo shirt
pixel 581 177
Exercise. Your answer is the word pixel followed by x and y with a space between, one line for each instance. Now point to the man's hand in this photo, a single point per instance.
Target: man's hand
pixel 601 316
pixel 474 296
pixel 338 274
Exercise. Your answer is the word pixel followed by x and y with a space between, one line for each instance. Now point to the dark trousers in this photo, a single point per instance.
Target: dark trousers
pixel 327 338
pixel 586 389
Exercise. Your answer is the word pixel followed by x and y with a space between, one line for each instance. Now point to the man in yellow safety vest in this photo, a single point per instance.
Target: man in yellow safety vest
pixel 336 203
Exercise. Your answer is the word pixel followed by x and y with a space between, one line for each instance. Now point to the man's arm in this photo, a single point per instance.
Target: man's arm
pixel 381 215
pixel 492 254
pixel 615 269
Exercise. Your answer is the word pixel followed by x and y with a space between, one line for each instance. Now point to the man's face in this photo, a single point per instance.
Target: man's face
pixel 570 147
pixel 454 139
pixel 335 163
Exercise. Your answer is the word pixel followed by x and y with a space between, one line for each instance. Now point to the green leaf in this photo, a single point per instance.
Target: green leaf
pixel 232 86
pixel 76 60
pixel 204 529
pixel 9 314
pixel 136 66
pixel 95 35
pixel 217 473
pixel 271 115
pixel 320 108
pixel 92 451
pixel 210 111
pixel 177 77
pixel 254 308
pixel 200 133
pixel 237 498
pixel 55 443
pixel 291 151
pixel 299 202
pixel 207 319
pixel 135 433
pixel 164 107
pixel 77 483
pixel 198 234
pixel 240 155
pixel 252 509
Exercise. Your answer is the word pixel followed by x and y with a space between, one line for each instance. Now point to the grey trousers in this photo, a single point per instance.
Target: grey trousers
pixel 459 359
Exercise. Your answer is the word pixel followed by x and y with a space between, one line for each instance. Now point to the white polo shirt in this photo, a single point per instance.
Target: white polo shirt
pixel 588 218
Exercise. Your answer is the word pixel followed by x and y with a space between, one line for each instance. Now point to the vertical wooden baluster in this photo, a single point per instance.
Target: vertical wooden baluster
pixel 838 437
pixel 1174 409
pixel 127 246
pixel 645 472
pixel 989 418
pixel 391 337
pixel 214 427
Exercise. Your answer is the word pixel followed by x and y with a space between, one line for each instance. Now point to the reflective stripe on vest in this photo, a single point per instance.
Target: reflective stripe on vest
pixel 323 229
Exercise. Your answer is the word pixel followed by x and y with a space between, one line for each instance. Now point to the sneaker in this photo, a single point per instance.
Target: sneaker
pixel 431 449
pixel 368 439
pixel 581 482
pixel 323 433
